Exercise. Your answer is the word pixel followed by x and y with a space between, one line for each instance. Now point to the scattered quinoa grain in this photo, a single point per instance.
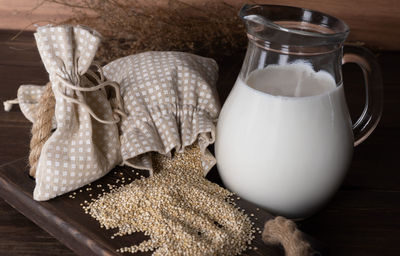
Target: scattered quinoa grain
pixel 177 208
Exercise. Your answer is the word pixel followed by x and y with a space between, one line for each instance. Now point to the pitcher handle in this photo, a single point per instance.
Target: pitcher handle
pixel 372 111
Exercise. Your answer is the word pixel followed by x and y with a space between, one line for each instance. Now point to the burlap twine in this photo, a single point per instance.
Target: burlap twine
pixel 276 231
pixel 41 129
pixel 283 231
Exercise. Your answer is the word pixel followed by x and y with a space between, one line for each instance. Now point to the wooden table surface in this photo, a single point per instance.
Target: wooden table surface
pixel 362 219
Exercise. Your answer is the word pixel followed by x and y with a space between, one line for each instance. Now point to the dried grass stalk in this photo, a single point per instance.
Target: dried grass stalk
pixel 211 29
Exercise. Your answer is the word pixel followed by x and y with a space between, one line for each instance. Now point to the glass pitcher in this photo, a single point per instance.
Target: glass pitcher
pixel 284 136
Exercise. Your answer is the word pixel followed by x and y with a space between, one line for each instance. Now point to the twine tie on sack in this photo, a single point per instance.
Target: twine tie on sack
pixel 9 103
pixel 41 129
pixel 118 110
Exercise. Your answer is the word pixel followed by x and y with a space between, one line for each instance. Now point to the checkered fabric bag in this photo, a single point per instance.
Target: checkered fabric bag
pixel 81 149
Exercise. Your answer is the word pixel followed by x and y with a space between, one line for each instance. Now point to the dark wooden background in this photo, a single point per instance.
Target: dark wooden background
pixel 362 219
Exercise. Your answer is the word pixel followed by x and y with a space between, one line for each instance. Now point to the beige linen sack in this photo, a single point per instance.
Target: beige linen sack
pixel 81 149
pixel 171 101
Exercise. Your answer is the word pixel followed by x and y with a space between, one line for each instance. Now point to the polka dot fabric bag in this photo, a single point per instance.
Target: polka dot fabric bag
pixel 81 149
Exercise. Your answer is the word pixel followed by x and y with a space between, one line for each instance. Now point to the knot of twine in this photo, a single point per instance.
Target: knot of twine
pixel 283 231
pixel 41 129
pixel 102 83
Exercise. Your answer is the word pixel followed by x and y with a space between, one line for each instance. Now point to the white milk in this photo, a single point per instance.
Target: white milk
pixel 284 139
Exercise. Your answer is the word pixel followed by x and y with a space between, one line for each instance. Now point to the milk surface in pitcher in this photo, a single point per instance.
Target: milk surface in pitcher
pixel 287 138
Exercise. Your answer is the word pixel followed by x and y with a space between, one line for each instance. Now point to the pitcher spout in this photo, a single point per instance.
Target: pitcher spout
pixel 255 19
pixel 292 26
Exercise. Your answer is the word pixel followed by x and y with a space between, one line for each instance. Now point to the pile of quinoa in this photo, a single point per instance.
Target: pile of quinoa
pixel 182 212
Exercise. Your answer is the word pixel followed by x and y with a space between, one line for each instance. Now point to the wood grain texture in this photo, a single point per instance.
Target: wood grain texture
pixel 376 23
pixel 19 236
pixel 24 14
pixel 362 218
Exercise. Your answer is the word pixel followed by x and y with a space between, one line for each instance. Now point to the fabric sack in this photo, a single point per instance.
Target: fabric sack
pixel 81 149
pixel 171 101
